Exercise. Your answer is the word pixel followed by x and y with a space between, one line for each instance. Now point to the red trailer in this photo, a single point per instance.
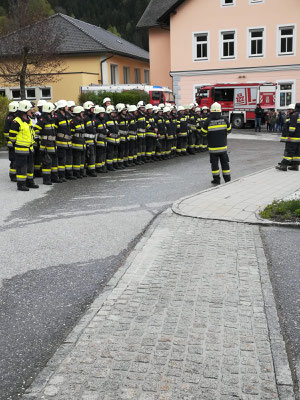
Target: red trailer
pixel 239 100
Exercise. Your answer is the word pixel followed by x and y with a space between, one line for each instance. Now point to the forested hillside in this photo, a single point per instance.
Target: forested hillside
pixel 118 16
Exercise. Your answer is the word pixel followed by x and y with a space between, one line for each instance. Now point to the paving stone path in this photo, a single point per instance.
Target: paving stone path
pixel 186 321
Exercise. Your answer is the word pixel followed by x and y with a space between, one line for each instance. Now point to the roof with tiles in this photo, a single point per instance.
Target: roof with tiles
pixel 79 37
pixel 156 11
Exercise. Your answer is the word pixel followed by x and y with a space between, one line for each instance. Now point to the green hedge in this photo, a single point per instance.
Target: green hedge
pixel 3 113
pixel 126 97
pixel 282 211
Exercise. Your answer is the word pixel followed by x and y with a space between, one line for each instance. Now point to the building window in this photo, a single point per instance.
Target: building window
pixel 30 94
pixel 201 46
pixel 256 42
pixel 126 74
pixel 146 76
pixel 285 94
pixel 2 92
pixel 225 3
pixel 137 75
pixel 15 93
pixel 46 93
pixel 113 74
pixel 228 47
pixel 256 1
pixel 286 40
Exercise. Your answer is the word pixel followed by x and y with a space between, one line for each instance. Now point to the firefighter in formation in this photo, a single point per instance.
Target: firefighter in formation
pixel 291 138
pixel 63 141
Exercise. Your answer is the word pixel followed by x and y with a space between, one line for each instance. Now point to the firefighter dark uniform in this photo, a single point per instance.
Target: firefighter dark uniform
pixel 192 122
pixel 217 127
pixel 141 124
pixel 132 137
pixel 198 135
pixel 113 140
pixel 291 134
pixel 169 133
pixel 151 135
pixel 204 117
pixel 22 136
pixel 37 157
pixel 174 132
pixel 90 141
pixel 46 130
pixel 101 143
pixel 63 142
pixel 161 136
pixel 123 148
pixel 182 132
pixel 77 127
pixel 11 151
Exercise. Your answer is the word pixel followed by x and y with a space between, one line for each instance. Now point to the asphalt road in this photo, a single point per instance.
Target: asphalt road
pixel 282 248
pixel 59 248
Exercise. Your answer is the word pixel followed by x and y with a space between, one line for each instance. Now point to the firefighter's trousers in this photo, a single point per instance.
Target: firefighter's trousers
pixel 37 159
pixel 12 159
pixel 24 166
pixel 100 157
pixel 90 157
pixel 223 159
pixel 291 154
pixel 78 162
pixel 49 166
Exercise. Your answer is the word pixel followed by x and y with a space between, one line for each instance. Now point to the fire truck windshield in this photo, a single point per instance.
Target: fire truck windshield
pixel 169 97
pixel 203 93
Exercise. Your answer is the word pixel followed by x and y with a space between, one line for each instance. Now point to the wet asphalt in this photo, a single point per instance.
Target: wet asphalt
pixel 57 252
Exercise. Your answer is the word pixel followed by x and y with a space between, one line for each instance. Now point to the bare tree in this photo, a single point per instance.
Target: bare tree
pixel 30 54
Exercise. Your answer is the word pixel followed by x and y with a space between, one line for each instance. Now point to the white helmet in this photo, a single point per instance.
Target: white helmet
pixel 155 109
pixel 204 108
pixel 149 107
pixel 110 109
pixel 71 103
pixel 99 110
pixel 13 106
pixel 120 107
pixel 132 109
pixel 140 104
pixel 78 110
pixel 216 107
pixel 88 105
pixel 198 109
pixel 48 107
pixel 180 108
pixel 41 103
pixel 166 109
pixel 191 106
pixel 106 100
pixel 161 106
pixel 291 107
pixel 25 106
pixel 168 105
pixel 61 104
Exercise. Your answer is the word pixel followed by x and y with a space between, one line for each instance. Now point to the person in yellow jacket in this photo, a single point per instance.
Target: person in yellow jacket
pixel 21 134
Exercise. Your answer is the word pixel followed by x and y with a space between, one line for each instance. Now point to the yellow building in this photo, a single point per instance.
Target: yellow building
pixel 91 55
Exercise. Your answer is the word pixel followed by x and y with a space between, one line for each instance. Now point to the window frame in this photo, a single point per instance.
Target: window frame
pixel 264 46
pixel 221 33
pixel 45 97
pixel 114 67
pixel 253 2
pixel 279 37
pixel 147 71
pixel 137 76
pixel 35 91
pixel 195 43
pixel 127 76
pixel 293 91
pixel 223 4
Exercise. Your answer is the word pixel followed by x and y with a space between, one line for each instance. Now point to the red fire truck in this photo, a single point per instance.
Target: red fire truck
pixel 239 100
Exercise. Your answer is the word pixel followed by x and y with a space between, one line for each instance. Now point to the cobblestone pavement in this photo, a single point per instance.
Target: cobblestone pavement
pixel 241 199
pixel 186 320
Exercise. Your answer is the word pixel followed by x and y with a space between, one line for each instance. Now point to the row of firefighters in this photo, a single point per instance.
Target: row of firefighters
pixel 291 138
pixel 63 141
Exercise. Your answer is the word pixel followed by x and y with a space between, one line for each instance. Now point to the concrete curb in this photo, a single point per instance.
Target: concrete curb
pixel 260 221
pixel 280 359
pixel 41 380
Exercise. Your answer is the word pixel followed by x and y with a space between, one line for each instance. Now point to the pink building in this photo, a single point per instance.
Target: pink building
pixel 204 42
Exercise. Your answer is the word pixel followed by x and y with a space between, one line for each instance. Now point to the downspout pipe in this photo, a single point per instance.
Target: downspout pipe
pixel 101 67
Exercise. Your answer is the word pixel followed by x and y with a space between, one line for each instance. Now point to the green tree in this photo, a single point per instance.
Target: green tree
pixel 113 30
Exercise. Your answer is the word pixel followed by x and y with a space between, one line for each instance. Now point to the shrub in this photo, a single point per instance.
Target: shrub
pixel 3 113
pixel 126 97
pixel 282 211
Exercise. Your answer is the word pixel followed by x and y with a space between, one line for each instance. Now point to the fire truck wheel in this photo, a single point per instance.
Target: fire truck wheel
pixel 237 121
